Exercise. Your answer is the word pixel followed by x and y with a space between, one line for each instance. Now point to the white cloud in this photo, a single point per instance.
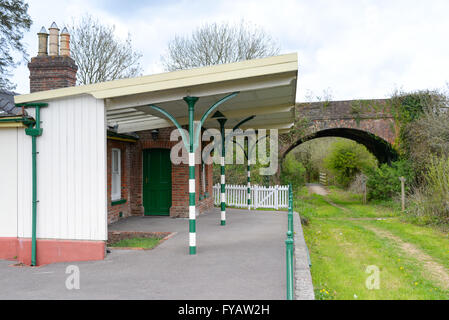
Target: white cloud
pixel 358 49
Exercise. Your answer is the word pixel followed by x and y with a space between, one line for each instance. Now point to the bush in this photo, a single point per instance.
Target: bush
pixel 347 159
pixel 430 202
pixel 358 184
pixel 423 121
pixel 293 171
pixel 383 182
pixel 427 135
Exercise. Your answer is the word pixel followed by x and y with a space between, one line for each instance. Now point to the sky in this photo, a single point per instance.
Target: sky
pixel 347 49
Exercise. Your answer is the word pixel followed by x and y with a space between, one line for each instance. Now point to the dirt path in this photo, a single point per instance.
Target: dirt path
pixel 436 271
pixel 317 188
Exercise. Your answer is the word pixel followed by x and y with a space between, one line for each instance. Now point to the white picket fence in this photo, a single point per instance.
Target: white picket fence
pixel 274 197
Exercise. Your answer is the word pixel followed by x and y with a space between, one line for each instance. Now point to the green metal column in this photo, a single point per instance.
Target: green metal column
pixel 192 181
pixel 289 246
pixel 290 206
pixel 248 169
pixel 191 145
pixel 223 175
pixel 246 156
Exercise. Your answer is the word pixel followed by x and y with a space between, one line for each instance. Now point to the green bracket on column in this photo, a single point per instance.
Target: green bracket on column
pixel 175 122
pixel 242 122
pixel 210 110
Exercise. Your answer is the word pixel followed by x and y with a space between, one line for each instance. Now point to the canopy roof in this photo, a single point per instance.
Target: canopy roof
pixel 267 89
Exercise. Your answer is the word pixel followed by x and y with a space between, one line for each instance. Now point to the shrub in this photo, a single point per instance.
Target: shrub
pixel 383 182
pixel 430 202
pixel 293 172
pixel 358 184
pixel 427 135
pixel 347 159
pixel 304 156
pixel 423 121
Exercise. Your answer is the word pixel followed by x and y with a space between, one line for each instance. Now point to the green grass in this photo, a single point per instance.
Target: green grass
pixel 258 209
pixel 430 240
pixel 146 243
pixel 353 202
pixel 341 249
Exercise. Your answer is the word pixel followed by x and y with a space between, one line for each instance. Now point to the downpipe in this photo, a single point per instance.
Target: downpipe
pixel 34 133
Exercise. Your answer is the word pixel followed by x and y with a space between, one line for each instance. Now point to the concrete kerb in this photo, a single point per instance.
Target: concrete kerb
pixel 303 279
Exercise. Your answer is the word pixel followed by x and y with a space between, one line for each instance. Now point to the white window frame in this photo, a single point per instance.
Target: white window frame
pixel 118 194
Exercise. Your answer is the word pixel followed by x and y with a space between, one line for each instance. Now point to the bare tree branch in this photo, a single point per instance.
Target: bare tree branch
pixel 100 56
pixel 216 44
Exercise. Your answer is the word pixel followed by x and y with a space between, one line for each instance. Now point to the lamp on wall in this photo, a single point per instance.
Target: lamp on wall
pixel 155 134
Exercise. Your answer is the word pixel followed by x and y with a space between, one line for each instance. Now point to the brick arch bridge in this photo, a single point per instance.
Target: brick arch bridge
pixel 368 122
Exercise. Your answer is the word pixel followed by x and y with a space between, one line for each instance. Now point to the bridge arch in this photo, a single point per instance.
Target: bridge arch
pixel 380 148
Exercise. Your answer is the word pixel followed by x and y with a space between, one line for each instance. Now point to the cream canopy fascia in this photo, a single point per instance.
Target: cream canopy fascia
pixel 267 89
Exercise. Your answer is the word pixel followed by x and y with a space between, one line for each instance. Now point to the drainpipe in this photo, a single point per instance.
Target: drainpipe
pixel 34 133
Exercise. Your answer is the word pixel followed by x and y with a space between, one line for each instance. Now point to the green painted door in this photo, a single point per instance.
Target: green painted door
pixel 156 182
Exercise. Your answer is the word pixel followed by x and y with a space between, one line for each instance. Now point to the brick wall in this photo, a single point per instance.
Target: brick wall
pixel 51 72
pixel 132 174
pixel 126 158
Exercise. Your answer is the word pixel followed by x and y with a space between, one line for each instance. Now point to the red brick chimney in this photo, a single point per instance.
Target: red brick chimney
pixel 55 69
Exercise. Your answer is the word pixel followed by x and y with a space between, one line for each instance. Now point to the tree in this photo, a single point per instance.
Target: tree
pixel 14 21
pixel 101 56
pixel 215 43
pixel 348 158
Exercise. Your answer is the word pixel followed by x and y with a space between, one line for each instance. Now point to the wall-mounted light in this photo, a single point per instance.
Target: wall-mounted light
pixel 155 134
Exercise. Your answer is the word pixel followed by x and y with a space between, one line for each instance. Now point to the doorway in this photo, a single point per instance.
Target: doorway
pixel 157 182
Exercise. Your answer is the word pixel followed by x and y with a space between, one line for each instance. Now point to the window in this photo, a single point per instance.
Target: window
pixel 116 175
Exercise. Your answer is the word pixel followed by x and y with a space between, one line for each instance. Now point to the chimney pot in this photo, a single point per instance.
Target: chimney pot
pixel 65 43
pixel 54 39
pixel 43 42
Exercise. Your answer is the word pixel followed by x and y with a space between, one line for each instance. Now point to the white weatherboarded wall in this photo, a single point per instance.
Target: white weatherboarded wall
pixel 71 172
pixel 8 182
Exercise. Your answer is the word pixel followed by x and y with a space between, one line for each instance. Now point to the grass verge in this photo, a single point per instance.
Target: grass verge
pixel 347 252
pixel 145 243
